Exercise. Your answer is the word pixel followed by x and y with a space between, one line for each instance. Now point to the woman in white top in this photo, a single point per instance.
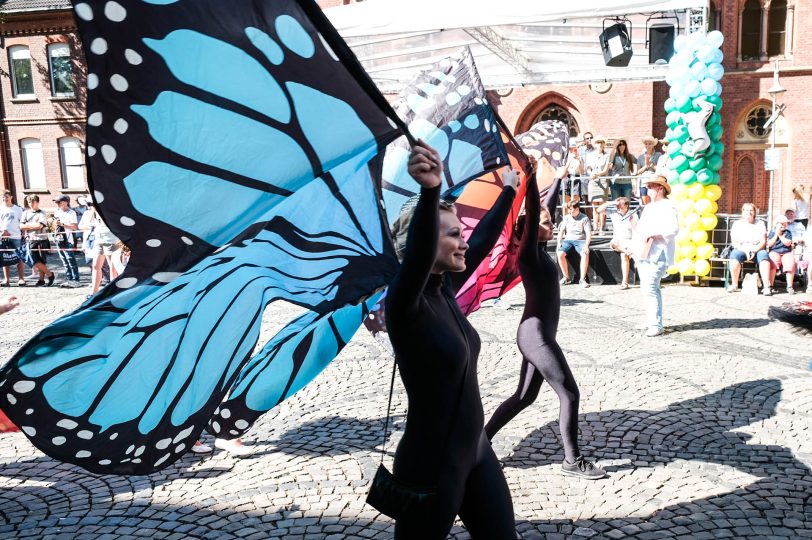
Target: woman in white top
pixel 103 242
pixel 598 190
pixel 801 200
pixel 623 223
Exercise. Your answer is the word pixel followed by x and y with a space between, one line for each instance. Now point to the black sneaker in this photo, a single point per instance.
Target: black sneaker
pixel 582 469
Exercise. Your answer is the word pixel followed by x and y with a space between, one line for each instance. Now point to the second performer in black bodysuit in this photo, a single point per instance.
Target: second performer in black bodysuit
pixel 444 444
pixel 542 358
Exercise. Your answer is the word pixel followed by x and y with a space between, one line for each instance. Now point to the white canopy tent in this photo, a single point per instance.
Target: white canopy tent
pixel 514 42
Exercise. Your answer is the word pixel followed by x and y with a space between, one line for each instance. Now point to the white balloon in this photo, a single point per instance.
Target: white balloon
pixel 715 39
pixel 679 43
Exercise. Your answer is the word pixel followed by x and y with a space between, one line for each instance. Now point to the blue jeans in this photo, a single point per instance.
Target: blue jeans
pixel 621 190
pixel 651 272
pixel 69 262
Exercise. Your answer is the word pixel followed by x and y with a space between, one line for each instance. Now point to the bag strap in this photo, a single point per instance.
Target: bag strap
pixel 388 409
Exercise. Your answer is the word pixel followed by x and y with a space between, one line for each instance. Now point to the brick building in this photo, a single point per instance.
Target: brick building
pixel 42 129
pixel 41 100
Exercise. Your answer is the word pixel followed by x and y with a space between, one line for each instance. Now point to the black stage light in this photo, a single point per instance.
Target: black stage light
pixel 616 44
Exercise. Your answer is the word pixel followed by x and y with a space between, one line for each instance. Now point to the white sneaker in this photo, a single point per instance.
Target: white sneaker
pixel 235 447
pixel 200 448
pixel 654 331
pixel 584 284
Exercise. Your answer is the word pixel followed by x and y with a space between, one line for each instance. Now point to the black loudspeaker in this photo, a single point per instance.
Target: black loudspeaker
pixel 616 44
pixel 660 44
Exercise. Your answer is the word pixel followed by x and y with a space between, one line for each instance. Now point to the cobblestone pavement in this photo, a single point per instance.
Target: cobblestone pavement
pixel 706 433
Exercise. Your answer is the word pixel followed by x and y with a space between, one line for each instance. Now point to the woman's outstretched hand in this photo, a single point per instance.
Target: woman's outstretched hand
pixel 510 178
pixel 425 165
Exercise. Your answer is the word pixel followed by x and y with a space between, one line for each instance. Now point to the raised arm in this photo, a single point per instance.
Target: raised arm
pixel 403 297
pixel 530 236
pixel 487 231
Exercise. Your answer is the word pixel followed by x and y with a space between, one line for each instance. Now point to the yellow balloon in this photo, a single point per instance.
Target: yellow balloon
pixel 714 207
pixel 686 267
pixel 685 206
pixel 693 222
pixel 696 191
pixel 699 237
pixel 713 192
pixel 672 270
pixel 683 237
pixel 703 206
pixel 704 251
pixel 708 223
pixel 688 251
pixel 677 192
pixel 702 267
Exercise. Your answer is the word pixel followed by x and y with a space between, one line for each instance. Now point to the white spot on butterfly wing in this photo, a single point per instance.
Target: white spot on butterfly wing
pixel 126 283
pixel 67 424
pixel 133 57
pixel 115 11
pixel 84 11
pixel 98 46
pixel 119 83
pixel 21 387
pixel 127 221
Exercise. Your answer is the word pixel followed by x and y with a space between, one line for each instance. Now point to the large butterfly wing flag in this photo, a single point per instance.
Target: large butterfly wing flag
pixel 498 273
pixel 228 145
pixel 446 107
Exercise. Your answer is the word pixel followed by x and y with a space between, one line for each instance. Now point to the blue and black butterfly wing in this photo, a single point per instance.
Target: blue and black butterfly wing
pixel 218 229
pixel 445 106
pixel 289 361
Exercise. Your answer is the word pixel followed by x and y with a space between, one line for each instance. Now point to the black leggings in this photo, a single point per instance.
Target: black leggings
pixel 482 500
pixel 543 361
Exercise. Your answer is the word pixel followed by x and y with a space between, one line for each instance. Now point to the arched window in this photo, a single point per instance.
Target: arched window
pixel 556 112
pixel 714 18
pixel 745 182
pixel 61 69
pixel 72 163
pixel 751 31
pixel 33 165
pixel 22 83
pixel 776 39
pixel 755 121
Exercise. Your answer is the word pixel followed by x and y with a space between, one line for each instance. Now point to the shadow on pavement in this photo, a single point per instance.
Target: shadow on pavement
pixel 717 324
pixel 778 504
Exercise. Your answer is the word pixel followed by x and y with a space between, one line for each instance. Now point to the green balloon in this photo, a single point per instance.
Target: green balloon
pixel 696 103
pixel 719 148
pixel 716 178
pixel 673 119
pixel 704 177
pixel 683 103
pixel 672 176
pixel 716 100
pixel 715 132
pixel 687 177
pixel 680 134
pixel 669 105
pixel 697 164
pixel 714 119
pixel 715 162
pixel 679 163
pixel 674 148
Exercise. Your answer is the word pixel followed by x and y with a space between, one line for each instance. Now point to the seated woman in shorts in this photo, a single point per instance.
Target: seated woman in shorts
pixel 575 233
pixel 622 224
pixel 749 237
pixel 779 250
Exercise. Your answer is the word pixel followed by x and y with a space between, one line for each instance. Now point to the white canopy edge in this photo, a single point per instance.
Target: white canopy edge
pixel 382 17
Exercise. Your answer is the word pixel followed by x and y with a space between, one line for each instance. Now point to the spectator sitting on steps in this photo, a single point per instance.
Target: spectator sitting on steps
pixel 575 233
pixel 623 222
pixel 748 236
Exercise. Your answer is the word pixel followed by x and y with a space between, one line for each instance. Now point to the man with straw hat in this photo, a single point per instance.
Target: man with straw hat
pixel 654 239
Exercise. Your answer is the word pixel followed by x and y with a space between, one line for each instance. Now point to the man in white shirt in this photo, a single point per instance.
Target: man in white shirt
pixel 654 242
pixel 66 222
pixel 10 215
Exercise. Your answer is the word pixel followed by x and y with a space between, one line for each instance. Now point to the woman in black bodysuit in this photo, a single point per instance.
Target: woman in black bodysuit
pixel 542 358
pixel 444 444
